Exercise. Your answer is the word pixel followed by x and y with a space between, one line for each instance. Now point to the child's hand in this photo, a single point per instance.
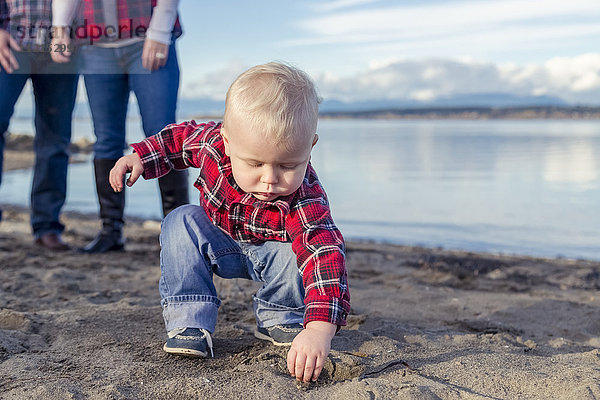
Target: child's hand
pixel 130 163
pixel 309 350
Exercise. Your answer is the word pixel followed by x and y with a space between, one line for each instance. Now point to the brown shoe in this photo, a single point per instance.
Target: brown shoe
pixel 52 242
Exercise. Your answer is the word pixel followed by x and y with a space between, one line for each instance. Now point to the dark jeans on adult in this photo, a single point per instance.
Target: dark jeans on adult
pixel 54 88
pixel 110 75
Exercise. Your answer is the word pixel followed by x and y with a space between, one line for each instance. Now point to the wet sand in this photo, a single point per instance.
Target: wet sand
pixel 425 324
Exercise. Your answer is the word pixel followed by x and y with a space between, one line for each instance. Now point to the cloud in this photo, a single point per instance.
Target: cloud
pixel 439 19
pixel 574 79
pixel 491 29
pixel 340 4
pixel 214 84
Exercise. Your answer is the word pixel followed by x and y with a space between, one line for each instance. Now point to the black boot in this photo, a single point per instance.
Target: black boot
pixel 174 190
pixel 110 238
pixel 112 205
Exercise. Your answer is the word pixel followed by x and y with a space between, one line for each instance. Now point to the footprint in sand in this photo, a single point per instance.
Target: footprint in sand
pixel 18 334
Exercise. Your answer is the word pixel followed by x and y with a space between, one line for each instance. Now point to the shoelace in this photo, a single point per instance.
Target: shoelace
pixel 208 341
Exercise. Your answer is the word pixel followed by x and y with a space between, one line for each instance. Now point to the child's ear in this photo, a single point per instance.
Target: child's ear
pixel 225 141
pixel 315 140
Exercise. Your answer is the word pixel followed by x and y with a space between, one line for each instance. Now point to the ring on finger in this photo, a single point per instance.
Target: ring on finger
pixel 160 56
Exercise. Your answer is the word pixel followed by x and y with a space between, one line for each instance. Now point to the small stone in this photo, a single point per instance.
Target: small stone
pixel 531 344
pixel 302 385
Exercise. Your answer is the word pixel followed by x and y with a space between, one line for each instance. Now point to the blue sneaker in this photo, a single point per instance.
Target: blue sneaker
pixel 191 342
pixel 279 335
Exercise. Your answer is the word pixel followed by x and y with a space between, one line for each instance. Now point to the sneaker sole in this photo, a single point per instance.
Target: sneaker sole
pixel 262 336
pixel 185 352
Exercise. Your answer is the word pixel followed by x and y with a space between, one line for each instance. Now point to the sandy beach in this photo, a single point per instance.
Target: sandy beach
pixel 425 324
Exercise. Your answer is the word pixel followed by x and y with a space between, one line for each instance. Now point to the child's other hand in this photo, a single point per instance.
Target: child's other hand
pixel 309 350
pixel 130 163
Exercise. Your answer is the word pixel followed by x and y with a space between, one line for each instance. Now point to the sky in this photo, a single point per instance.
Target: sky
pixel 359 50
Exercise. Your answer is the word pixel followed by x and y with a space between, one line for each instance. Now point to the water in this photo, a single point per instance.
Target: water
pixel 530 187
pixel 525 187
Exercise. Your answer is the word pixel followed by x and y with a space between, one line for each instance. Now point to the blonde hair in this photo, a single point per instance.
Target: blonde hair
pixel 276 99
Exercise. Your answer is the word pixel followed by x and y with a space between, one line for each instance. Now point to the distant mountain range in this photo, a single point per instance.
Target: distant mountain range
pixel 456 101
pixel 208 107
pixel 204 107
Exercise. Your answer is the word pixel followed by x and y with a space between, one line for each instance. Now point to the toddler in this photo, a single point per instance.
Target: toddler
pixel 263 215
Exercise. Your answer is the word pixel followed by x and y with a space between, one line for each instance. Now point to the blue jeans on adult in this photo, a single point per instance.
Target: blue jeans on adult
pixel 193 249
pixel 54 89
pixel 110 75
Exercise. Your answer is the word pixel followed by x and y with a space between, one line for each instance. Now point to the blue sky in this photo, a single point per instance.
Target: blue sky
pixel 418 50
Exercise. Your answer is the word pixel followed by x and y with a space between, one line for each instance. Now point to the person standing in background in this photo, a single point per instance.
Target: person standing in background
pixel 129 46
pixel 25 54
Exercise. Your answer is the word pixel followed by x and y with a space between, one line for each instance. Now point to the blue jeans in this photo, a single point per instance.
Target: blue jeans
pixel 54 88
pixel 110 75
pixel 193 249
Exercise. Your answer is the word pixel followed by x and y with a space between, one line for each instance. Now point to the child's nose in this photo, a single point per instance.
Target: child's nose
pixel 269 176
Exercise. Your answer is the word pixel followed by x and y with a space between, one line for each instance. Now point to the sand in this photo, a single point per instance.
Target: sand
pixel 425 324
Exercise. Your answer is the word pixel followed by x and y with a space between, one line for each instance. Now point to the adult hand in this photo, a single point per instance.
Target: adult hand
pixel 309 350
pixel 7 58
pixel 130 163
pixel 154 55
pixel 60 46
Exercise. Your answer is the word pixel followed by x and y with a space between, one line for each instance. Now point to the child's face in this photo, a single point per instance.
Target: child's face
pixel 263 168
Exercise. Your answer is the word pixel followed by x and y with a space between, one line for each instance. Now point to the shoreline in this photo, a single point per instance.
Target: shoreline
pixel 355 244
pixel 575 113
pixel 18 156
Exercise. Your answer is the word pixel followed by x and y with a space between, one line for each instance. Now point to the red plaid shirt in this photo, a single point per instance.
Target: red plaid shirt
pixel 134 20
pixel 28 22
pixel 302 217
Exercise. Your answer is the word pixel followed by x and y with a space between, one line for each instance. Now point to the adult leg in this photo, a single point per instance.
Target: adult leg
pixel 108 96
pixel 156 94
pixel 54 101
pixel 11 86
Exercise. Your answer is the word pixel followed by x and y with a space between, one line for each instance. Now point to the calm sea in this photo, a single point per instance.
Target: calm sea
pixel 525 187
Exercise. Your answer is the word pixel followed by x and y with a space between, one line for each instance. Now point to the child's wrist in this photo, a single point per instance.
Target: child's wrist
pixel 322 326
